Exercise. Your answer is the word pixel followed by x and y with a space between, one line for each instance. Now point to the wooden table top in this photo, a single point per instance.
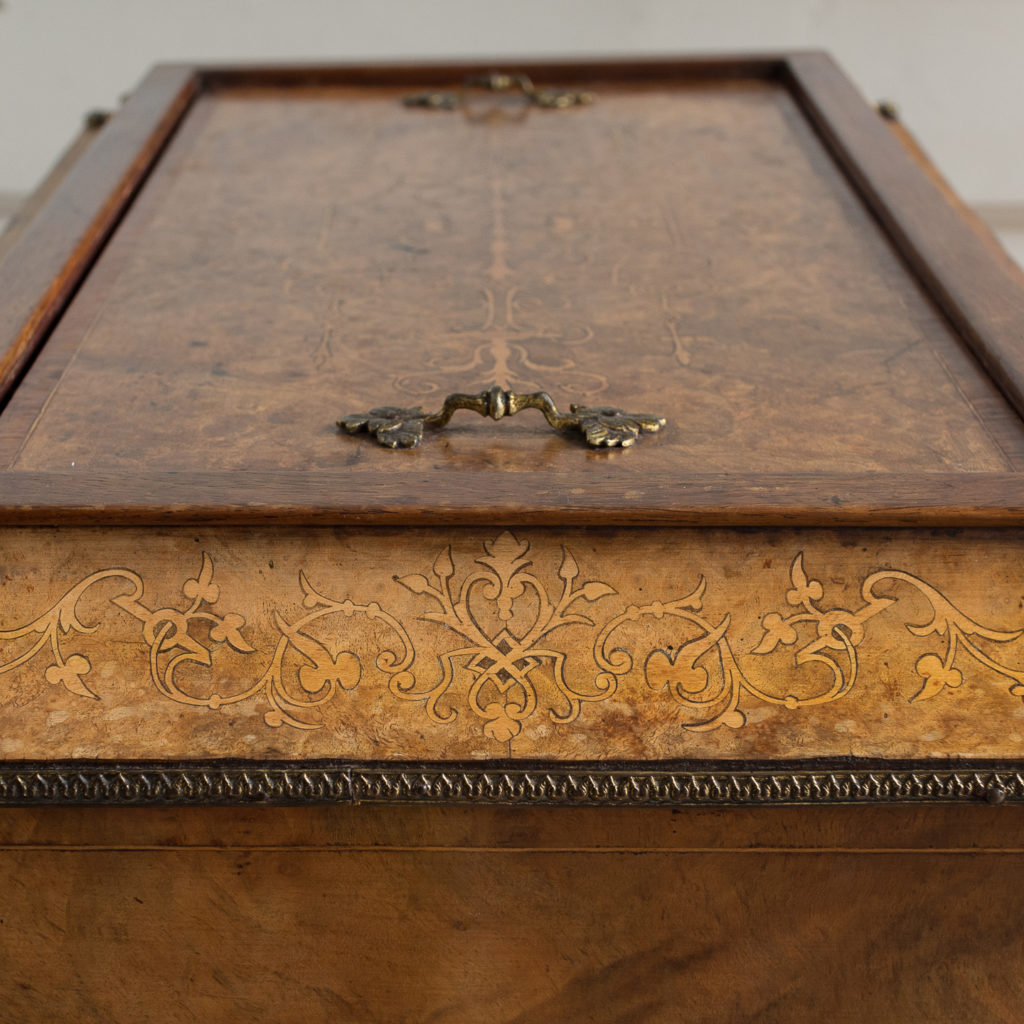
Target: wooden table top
pixel 692 245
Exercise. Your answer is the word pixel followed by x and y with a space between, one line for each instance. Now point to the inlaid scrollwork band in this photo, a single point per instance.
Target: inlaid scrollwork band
pixel 603 426
pixel 521 646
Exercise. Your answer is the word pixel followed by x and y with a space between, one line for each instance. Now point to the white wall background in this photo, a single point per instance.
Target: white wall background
pixel 955 67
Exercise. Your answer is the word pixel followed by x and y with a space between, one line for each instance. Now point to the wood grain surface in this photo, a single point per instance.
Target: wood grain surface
pixel 594 496
pixel 406 914
pixel 732 279
pixel 439 645
pixel 41 272
pixel 29 208
pixel 941 247
pixel 982 230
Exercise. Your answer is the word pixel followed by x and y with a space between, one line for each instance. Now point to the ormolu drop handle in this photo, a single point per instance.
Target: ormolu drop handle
pixel 603 426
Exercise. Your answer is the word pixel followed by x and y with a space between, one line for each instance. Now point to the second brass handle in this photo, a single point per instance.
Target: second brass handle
pixel 502 82
pixel 603 426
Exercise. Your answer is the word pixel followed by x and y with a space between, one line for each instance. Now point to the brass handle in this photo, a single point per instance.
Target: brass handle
pixel 603 426
pixel 500 81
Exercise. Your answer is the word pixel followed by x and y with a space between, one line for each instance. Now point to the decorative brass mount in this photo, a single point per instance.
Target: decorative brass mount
pixel 500 81
pixel 603 426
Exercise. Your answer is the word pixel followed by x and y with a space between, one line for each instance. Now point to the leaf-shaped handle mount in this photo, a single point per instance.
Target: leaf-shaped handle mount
pixel 602 426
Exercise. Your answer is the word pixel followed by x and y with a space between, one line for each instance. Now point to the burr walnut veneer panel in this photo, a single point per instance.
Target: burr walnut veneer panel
pixel 681 247
pixel 572 645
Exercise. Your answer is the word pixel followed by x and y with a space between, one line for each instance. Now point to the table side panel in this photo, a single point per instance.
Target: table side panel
pixel 465 936
pixel 476 644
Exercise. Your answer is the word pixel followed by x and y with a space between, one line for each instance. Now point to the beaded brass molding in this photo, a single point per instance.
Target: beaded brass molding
pixel 509 663
pixel 548 785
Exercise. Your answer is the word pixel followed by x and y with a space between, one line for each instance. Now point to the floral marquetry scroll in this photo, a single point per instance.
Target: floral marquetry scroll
pixel 511 659
pixel 516 634
pixel 171 637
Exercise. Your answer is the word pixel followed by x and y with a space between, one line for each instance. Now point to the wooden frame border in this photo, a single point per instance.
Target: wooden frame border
pixel 240 498
pixel 968 283
pixel 44 268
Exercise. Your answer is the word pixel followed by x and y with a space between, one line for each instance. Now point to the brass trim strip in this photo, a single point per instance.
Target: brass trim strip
pixel 542 785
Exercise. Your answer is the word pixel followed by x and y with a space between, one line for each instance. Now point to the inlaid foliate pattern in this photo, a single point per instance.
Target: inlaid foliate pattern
pixel 507 633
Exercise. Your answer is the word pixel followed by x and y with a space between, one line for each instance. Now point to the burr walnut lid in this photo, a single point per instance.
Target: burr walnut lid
pixel 741 249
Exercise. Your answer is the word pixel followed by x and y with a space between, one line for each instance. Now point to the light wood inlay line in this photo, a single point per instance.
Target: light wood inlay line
pixel 515 850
